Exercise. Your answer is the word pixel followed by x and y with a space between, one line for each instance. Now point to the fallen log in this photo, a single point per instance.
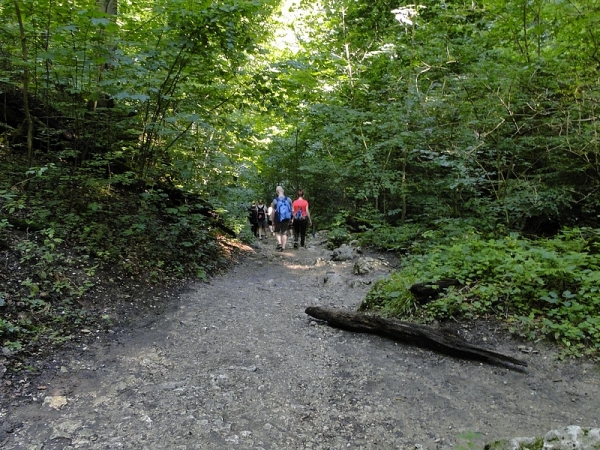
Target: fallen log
pixel 416 334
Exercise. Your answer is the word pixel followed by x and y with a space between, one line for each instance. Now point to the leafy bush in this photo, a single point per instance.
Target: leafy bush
pixel 389 238
pixel 546 288
pixel 246 236
pixel 64 235
pixel 41 303
pixel 4 226
pixel 411 237
pixel 337 237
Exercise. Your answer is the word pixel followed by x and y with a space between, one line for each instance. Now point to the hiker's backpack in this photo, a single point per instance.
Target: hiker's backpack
pixel 284 211
pixel 261 213
pixel 302 209
pixel 252 213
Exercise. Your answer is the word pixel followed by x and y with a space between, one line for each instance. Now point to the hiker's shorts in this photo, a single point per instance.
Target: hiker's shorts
pixel 282 227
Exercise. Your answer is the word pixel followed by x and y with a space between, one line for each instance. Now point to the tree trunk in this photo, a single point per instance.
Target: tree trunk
pixel 25 83
pixel 419 335
pixel 108 6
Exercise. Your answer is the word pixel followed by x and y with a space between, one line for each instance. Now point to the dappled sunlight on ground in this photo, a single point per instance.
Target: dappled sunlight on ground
pixel 298 266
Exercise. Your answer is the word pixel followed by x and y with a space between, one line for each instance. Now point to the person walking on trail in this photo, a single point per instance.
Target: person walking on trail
pixel 253 218
pixel 263 221
pixel 282 214
pixel 270 215
pixel 301 218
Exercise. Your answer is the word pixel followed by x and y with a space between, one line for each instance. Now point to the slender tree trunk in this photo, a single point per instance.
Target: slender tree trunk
pixel 297 155
pixel 25 84
pixel 47 62
pixel 348 59
pixel 108 6
pixel 525 37
pixel 403 185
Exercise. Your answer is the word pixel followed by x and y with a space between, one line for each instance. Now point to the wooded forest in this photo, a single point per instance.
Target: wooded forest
pixel 461 135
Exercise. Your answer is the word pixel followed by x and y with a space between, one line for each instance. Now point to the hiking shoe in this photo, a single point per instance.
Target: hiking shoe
pixel 278 247
pixel 295 245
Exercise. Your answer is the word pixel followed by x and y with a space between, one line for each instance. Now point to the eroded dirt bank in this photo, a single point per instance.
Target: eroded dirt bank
pixel 239 365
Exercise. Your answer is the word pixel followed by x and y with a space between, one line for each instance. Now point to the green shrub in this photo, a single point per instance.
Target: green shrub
pixel 337 237
pixel 389 238
pixel 246 235
pixel 548 288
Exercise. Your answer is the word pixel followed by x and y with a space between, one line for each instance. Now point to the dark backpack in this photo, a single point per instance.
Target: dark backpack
pixel 252 213
pixel 261 213
pixel 284 210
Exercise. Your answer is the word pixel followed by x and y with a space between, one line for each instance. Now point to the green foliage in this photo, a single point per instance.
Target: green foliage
pixel 246 236
pixel 543 288
pixel 337 237
pixel 138 120
pixel 445 111
pixel 469 440
pixel 43 301
pixel 385 237
pixel 446 117
pixel 4 227
pixel 158 89
pixel 92 230
pixel 392 296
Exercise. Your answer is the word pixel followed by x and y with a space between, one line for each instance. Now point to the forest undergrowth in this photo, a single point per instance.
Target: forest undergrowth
pixel 541 288
pixel 74 258
pixel 74 254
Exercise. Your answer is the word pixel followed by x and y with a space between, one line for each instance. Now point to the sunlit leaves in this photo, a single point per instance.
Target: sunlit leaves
pixel 473 106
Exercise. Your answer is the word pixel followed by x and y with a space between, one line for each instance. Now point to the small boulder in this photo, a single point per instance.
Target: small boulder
pixel 344 253
pixel 364 265
pixel 56 402
pixel 571 437
pixel 332 278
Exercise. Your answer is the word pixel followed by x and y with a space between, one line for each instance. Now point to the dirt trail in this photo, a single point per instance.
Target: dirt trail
pixel 238 365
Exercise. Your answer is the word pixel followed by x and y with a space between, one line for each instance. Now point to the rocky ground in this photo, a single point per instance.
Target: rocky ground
pixel 236 364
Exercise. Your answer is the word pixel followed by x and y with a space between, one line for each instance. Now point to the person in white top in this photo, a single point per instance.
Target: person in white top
pixel 269 215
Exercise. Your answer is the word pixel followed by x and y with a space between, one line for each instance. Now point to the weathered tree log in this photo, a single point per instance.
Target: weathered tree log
pixel 418 335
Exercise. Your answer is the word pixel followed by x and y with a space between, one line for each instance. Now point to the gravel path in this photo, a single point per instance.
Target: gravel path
pixel 237 364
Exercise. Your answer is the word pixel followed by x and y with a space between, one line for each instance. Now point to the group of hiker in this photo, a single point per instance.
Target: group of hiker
pixel 259 217
pixel 281 217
